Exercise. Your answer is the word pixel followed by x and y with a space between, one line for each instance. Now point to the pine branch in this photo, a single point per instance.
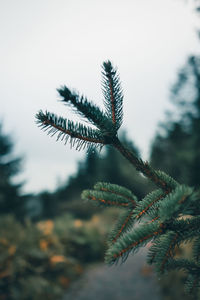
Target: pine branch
pixel 192 284
pixel 86 109
pixel 142 167
pixel 187 227
pixel 167 216
pixel 148 203
pixel 116 190
pixel 162 250
pixel 174 202
pixel 113 96
pixel 132 241
pixel 103 194
pixel 182 264
pixel 108 124
pixel 106 198
pixel 123 225
pixel 193 271
pixel 79 134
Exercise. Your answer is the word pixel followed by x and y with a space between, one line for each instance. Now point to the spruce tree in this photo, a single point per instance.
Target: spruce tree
pixel 168 216
pixel 10 199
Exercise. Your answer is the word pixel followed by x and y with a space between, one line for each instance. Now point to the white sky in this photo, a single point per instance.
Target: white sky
pixel 48 43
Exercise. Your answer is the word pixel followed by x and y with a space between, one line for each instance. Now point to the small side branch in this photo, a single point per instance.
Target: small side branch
pixel 108 202
pixel 80 135
pixel 169 251
pixel 124 225
pixel 145 238
pixel 113 95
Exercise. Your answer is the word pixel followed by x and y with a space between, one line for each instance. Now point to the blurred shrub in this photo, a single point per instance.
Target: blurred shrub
pixel 33 263
pixel 39 261
pixel 84 239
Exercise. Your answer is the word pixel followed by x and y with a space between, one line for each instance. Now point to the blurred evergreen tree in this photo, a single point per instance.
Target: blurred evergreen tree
pixel 177 151
pixel 10 199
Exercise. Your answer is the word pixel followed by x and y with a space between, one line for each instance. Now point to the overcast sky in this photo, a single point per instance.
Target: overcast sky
pixel 48 43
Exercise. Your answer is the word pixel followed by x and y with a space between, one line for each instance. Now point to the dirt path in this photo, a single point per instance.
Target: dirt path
pixel 133 280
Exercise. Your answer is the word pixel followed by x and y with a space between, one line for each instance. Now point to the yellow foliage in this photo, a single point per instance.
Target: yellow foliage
pixel 78 223
pixel 43 245
pixel 57 259
pixel 46 226
pixel 12 249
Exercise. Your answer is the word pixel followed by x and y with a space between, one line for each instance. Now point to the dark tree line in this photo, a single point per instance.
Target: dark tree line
pixel 11 200
pixel 179 146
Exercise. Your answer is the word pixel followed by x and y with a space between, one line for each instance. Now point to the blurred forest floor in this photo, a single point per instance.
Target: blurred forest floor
pixel 133 279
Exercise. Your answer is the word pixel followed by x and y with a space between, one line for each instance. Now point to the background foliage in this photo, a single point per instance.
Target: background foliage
pixel 40 260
